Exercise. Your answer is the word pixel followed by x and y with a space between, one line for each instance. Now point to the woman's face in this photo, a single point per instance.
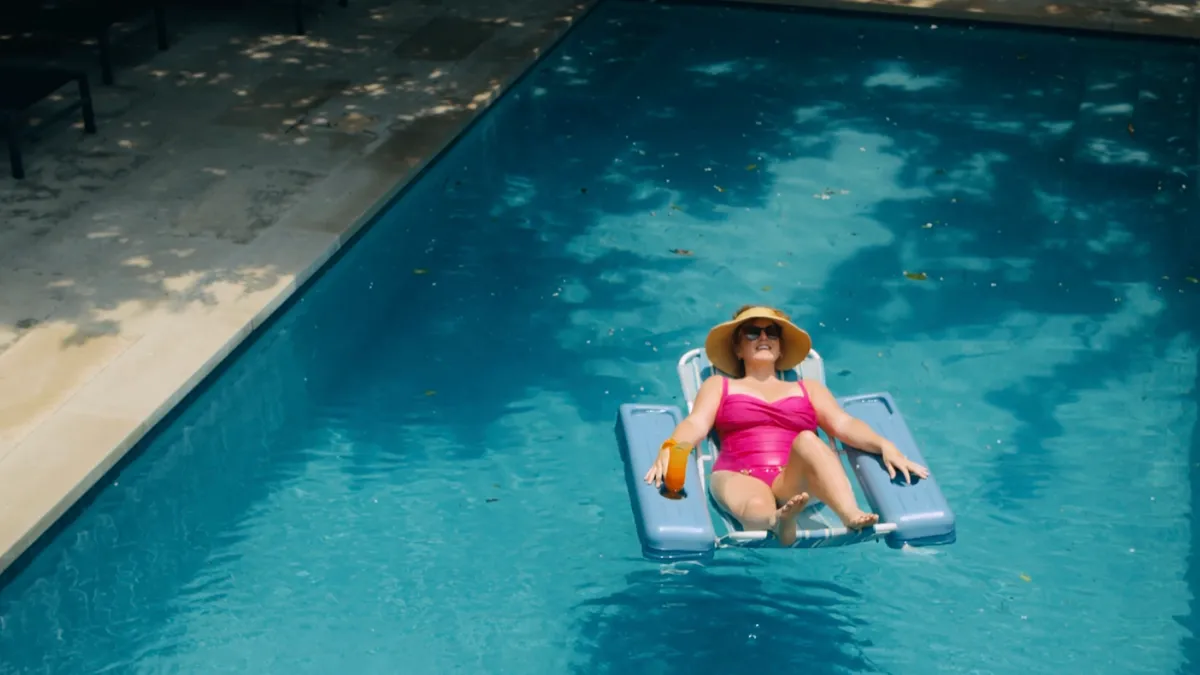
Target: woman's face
pixel 759 340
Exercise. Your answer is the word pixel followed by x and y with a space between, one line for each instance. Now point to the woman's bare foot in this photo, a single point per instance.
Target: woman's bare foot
pixel 860 520
pixel 785 519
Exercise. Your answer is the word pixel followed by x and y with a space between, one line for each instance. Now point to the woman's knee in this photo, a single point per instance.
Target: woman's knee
pixel 808 446
pixel 758 505
pixel 743 497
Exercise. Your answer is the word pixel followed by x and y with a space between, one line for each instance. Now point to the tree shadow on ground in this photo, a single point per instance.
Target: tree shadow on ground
pixel 114 224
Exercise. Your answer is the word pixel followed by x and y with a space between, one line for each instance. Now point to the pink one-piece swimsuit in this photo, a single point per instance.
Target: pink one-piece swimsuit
pixel 756 436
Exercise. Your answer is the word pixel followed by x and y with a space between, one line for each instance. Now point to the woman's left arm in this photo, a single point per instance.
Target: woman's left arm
pixel 858 434
pixel 840 424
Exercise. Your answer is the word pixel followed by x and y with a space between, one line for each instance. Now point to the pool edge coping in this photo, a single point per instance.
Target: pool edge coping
pixel 1114 21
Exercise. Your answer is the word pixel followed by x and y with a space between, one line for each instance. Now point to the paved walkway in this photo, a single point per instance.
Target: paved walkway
pixel 225 172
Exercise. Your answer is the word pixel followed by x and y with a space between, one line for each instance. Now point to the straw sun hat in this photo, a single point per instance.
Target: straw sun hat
pixel 794 344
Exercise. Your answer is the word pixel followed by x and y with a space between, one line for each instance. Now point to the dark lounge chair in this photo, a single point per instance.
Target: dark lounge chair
pixel 298 8
pixel 88 19
pixel 23 86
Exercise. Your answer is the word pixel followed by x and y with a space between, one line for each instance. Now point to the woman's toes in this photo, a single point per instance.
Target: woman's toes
pixel 794 506
pixel 862 520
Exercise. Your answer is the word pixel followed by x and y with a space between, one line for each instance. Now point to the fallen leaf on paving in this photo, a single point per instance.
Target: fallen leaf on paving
pixel 916 276
pixel 355 122
pixel 681 251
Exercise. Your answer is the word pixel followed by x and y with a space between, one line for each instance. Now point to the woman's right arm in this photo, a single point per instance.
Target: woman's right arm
pixel 693 429
pixel 696 426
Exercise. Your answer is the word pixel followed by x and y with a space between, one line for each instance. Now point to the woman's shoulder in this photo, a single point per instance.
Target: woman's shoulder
pixel 814 386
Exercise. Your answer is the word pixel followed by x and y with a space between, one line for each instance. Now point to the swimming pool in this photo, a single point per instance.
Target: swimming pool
pixel 413 468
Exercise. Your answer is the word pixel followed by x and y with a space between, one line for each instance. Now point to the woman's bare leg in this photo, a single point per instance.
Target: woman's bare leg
pixel 816 467
pixel 753 504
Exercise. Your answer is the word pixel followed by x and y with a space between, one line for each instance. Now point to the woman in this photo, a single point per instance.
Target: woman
pixel 771 457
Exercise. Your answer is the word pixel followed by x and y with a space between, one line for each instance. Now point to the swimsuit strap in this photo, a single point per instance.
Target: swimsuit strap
pixel 802 387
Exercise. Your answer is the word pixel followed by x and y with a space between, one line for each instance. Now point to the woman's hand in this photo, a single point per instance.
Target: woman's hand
pixel 895 461
pixel 659 468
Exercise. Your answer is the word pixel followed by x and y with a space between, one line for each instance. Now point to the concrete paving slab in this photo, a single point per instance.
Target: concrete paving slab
pixel 446 38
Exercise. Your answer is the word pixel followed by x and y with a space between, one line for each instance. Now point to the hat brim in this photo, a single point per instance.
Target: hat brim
pixel 795 343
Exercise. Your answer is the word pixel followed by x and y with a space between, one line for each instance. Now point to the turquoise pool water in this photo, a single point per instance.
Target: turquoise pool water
pixel 413 470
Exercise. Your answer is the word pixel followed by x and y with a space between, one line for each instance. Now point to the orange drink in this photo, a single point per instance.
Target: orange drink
pixel 677 466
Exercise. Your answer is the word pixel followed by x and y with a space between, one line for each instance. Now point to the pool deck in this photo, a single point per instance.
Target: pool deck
pixel 226 170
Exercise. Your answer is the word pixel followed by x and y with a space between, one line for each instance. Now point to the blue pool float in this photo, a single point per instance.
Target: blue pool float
pixel 695 526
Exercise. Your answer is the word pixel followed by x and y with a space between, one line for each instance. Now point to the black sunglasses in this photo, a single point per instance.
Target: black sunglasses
pixel 751 333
